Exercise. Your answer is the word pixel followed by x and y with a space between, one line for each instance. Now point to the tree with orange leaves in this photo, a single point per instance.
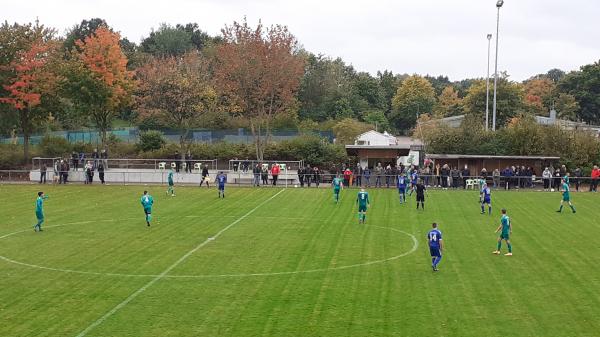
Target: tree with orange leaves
pixel 258 72
pixel 101 83
pixel 31 81
pixel 177 91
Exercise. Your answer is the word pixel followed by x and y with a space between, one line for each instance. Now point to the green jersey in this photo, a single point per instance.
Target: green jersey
pixel 362 199
pixel 566 193
pixel 337 183
pixel 170 178
pixel 505 221
pixel 147 201
pixel 39 207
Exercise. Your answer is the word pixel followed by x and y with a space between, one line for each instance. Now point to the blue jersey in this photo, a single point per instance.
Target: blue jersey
pixel 221 179
pixel 401 182
pixel 414 176
pixel 434 236
pixel 486 193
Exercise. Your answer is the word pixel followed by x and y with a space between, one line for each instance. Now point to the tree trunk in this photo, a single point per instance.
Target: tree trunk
pixel 24 116
pixel 25 147
pixel 256 137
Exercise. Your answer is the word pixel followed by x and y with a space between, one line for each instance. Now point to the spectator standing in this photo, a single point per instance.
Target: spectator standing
pixel 551 168
pixel 595 177
pixel 256 173
pixel 64 171
pixel 388 175
pixel 367 175
pixel 427 174
pixel 438 177
pixel 95 157
pixel 546 176
pixel 301 175
pixel 177 159
pixel 236 163
pixel 316 176
pixel 466 174
pixel 245 165
pixel 308 175
pixel 347 175
pixel 43 170
pixel 577 176
pixel 275 173
pixel 484 175
pixel 56 170
pixel 455 174
pixel 496 177
pixel 264 173
pixel 557 178
pixel 101 172
pixel 445 173
pixel 104 157
pixel 75 160
pixel 378 175
pixel 188 162
pixel 87 172
pixel 358 171
pixel 204 176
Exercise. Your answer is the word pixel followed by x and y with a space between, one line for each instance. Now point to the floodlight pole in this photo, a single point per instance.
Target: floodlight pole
pixel 487 86
pixel 498 5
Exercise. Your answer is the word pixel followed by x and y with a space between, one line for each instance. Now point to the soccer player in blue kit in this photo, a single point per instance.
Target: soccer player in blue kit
pixel 401 184
pixel 436 245
pixel 485 197
pixel 220 180
pixel 414 177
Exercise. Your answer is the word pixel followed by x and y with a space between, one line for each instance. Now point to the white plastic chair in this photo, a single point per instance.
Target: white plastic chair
pixel 183 165
pixel 162 165
pixel 173 165
pixel 197 166
pixel 283 167
pixel 470 183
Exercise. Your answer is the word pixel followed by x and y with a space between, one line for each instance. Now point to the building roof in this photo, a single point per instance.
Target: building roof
pixel 401 149
pixel 483 156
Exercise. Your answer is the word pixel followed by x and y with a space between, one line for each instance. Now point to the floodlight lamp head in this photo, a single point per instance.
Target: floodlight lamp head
pixel 489 36
pixel 499 3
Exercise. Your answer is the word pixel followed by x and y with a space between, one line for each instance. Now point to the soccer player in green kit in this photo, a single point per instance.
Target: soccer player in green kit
pixel 337 186
pixel 566 197
pixel 39 211
pixel 506 228
pixel 147 202
pixel 363 203
pixel 170 189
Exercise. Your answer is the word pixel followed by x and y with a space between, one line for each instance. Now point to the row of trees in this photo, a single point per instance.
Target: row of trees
pixel 521 136
pixel 180 77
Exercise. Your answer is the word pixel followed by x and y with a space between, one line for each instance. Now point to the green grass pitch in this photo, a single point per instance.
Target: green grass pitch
pixel 293 264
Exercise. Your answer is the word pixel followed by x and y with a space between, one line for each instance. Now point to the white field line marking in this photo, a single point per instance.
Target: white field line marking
pixel 171 267
pixel 368 263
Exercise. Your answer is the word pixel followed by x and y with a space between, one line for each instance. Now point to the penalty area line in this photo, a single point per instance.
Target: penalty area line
pixel 171 267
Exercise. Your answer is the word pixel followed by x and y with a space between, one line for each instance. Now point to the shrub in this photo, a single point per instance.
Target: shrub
pixel 11 157
pixel 55 146
pixel 151 140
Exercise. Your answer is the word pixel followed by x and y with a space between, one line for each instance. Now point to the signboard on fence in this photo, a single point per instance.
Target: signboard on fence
pixel 411 159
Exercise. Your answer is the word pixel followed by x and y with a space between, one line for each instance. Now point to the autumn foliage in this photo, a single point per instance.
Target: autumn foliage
pixel 103 56
pixel 258 72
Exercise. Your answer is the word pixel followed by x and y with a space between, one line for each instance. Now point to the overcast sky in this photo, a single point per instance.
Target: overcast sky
pixel 418 36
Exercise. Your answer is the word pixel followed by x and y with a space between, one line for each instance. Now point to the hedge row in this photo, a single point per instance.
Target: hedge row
pixel 312 149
